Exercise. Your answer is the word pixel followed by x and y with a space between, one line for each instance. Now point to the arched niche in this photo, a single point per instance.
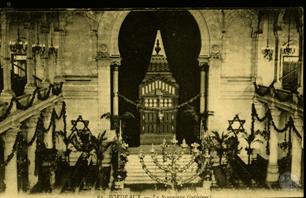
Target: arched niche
pixel 110 24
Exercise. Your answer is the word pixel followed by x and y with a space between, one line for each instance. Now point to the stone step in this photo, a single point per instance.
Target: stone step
pixel 155 138
pixel 136 174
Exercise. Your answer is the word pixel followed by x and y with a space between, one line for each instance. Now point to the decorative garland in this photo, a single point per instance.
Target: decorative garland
pixel 268 122
pixel 138 105
pixel 46 96
pixel 39 126
pixel 7 112
pixel 271 90
pixel 56 90
pixel 267 91
pixel 11 155
pixel 34 136
pixel 24 107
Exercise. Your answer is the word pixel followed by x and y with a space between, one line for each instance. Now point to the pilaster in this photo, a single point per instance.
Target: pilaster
pixel 29 88
pixel 215 63
pixel 273 171
pixel 104 89
pixel 45 30
pixel 297 144
pixel 7 93
pixel 11 167
pixel 31 124
pixel 204 67
pixel 47 114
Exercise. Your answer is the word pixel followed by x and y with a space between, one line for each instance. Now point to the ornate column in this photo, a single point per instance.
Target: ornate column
pixel 203 93
pixel 52 53
pixel 297 144
pixel 301 54
pixel 31 128
pixel 254 55
pixel 38 50
pixel 47 114
pixel 115 98
pixel 277 71
pixel 7 92
pixel 11 167
pixel 59 37
pixel 272 172
pixel 260 60
pixel 59 126
pixel 261 111
pixel 115 66
pixel 29 88
pixel 45 31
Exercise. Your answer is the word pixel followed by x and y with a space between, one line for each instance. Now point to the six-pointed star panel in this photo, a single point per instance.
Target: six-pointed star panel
pixel 236 125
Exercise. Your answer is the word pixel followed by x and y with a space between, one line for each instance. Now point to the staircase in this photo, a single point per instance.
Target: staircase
pixel 136 175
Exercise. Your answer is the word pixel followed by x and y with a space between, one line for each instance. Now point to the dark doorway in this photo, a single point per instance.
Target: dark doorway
pixel 182 42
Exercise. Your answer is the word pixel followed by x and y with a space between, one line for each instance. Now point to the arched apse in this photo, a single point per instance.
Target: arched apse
pixel 182 42
pixel 110 23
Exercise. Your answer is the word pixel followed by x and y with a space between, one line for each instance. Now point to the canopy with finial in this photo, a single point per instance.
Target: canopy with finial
pixel 158 45
pixel 158 62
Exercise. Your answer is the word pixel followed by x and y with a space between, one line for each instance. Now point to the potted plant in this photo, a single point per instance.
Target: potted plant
pixel 250 139
pixel 101 145
pixel 219 145
pixel 119 149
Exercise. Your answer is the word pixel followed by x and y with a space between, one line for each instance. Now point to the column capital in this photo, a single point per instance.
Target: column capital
pixel 203 59
pixel 100 55
pixel 204 66
pixel 115 61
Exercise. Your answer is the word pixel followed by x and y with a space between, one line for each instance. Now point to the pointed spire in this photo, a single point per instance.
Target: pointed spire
pixel 159 47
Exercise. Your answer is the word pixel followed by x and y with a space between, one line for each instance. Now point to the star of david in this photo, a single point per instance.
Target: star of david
pixel 236 129
pixel 76 124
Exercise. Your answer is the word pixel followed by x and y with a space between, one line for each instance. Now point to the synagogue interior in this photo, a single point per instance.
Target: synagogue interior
pixel 110 100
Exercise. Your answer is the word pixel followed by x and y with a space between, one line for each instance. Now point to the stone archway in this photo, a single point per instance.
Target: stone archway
pixel 108 43
pixel 111 23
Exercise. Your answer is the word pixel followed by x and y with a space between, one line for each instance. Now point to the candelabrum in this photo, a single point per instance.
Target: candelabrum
pixel 171 163
pixel 19 46
pixel 53 50
pixel 38 48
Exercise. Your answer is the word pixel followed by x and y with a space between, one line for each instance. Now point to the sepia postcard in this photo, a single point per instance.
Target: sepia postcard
pixel 183 102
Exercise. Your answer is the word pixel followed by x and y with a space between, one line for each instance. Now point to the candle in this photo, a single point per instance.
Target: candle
pixel 174 141
pixel 184 145
pixel 152 149
pixel 164 141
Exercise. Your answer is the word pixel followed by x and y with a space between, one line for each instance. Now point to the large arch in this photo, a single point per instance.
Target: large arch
pixel 111 22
